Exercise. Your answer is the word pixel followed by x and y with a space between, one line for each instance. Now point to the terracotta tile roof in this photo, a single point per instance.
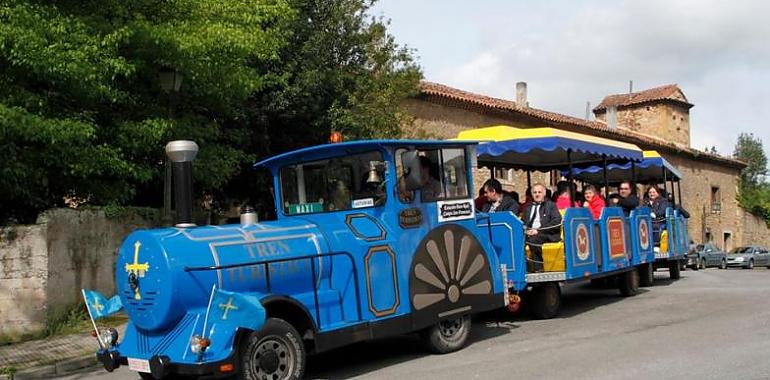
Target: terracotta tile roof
pixel 666 92
pixel 482 103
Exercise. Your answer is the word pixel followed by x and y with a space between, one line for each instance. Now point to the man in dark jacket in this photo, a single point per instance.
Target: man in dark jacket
pixel 542 219
pixel 497 200
pixel 628 199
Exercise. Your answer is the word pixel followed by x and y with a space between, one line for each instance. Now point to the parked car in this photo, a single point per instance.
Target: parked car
pixel 749 256
pixel 706 255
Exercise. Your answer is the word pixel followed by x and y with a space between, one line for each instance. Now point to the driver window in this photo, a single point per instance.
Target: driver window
pixel 442 175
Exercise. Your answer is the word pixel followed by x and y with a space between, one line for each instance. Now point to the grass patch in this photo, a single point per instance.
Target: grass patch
pixel 7 371
pixel 72 319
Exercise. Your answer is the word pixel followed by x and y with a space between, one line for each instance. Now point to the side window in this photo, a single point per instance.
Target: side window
pixel 342 183
pixel 443 175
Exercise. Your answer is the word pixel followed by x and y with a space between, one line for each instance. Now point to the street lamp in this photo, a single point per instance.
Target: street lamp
pixel 170 81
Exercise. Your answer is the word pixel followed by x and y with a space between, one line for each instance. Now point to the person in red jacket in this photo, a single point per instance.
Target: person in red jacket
pixel 594 201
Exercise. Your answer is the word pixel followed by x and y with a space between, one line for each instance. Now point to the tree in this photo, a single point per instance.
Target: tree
pixel 82 115
pixel 749 150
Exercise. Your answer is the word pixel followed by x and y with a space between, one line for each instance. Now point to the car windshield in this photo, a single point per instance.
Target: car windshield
pixel 740 250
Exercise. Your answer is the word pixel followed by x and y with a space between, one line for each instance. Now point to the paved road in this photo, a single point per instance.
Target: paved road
pixel 712 324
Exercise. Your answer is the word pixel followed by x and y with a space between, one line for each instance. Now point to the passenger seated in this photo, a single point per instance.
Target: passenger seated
pixel 340 197
pixel 543 222
pixel 594 202
pixel 496 199
pixel 658 206
pixel 628 199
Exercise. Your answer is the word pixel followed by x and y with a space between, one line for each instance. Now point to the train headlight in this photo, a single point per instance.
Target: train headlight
pixel 109 337
pixel 199 344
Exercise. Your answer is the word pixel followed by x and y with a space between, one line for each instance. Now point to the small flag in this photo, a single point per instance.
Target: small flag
pixel 99 306
pixel 236 309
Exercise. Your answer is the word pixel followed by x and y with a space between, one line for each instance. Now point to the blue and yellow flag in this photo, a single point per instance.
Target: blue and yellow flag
pixel 236 309
pixel 99 306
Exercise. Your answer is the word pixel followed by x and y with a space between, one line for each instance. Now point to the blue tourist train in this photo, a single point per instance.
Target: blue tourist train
pixel 372 239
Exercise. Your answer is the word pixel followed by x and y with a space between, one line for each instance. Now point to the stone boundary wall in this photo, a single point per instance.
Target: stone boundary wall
pixel 44 266
pixel 755 230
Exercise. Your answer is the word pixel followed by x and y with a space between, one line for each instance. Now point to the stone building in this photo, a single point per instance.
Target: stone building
pixel 654 119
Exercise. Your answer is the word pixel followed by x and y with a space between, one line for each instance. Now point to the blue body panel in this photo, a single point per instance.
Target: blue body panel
pixel 621 258
pixel 640 223
pixel 580 245
pixel 505 232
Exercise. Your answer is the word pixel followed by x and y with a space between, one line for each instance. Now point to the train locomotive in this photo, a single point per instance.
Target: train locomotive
pixel 359 250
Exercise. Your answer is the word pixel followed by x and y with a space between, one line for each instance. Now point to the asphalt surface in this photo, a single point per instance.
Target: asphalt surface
pixel 712 324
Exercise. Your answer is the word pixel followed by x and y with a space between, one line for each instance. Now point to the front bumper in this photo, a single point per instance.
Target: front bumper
pixel 162 367
pixel 736 264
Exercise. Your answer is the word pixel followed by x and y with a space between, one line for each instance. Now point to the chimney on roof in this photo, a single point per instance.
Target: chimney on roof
pixel 521 94
pixel 612 117
pixel 588 111
pixel 630 86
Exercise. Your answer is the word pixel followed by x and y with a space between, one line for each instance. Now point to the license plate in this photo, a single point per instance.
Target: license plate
pixel 139 365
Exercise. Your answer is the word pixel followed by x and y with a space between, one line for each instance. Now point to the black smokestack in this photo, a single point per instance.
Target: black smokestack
pixel 182 153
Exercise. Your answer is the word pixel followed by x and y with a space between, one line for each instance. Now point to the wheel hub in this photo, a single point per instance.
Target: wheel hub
pixel 269 361
pixel 453 293
pixel 450 328
pixel 273 360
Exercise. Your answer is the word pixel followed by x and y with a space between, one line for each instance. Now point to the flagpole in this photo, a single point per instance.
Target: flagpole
pixel 93 322
pixel 208 310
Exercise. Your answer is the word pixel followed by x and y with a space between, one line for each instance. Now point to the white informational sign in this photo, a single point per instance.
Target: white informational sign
pixel 455 210
pixel 366 202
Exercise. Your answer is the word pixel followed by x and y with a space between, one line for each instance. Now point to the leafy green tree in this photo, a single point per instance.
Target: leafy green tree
pixel 749 150
pixel 83 116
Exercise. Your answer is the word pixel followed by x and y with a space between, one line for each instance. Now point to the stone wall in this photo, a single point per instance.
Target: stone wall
pixel 754 230
pixel 45 265
pixel 662 120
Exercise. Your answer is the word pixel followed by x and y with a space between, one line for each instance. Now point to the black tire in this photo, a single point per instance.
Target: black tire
pixel 723 264
pixel 628 283
pixel 646 275
pixel 545 300
pixel 274 352
pixel 702 264
pixel 146 376
pixel 673 270
pixel 447 336
pixel 751 264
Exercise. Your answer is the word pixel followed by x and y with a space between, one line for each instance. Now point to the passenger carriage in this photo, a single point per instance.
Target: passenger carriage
pixel 613 245
pixel 671 247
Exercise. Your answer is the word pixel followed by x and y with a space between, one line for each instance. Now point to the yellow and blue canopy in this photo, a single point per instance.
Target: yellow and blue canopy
pixel 545 149
pixel 650 169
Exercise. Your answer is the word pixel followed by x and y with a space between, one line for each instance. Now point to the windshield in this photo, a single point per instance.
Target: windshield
pixel 741 250
pixel 343 183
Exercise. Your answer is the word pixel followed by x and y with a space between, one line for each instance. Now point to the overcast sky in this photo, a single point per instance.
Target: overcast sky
pixel 570 52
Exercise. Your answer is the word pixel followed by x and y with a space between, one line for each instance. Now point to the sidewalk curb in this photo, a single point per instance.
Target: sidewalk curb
pixel 60 368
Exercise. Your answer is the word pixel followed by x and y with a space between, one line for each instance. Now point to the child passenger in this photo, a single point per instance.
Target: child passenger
pixel 594 201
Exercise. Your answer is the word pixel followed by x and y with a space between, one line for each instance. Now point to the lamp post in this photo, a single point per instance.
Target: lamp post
pixel 170 81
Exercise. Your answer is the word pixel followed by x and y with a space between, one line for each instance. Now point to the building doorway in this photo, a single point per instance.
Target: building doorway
pixel 727 241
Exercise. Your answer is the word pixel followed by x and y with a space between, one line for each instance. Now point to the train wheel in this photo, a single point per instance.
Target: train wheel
pixel 545 300
pixel 447 336
pixel 274 352
pixel 646 275
pixel 673 270
pixel 628 283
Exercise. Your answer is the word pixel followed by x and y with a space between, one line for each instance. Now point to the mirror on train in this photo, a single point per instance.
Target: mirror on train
pixel 411 161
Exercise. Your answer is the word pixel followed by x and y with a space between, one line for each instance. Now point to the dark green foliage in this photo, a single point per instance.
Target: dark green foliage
pixel 83 116
pixel 754 192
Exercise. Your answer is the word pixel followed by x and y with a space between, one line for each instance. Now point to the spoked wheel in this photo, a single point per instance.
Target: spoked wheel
pixel 545 300
pixel 673 270
pixel 447 336
pixel 646 275
pixel 628 283
pixel 275 352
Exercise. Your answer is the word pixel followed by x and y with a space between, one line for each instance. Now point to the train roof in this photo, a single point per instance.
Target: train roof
pixel 318 152
pixel 649 169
